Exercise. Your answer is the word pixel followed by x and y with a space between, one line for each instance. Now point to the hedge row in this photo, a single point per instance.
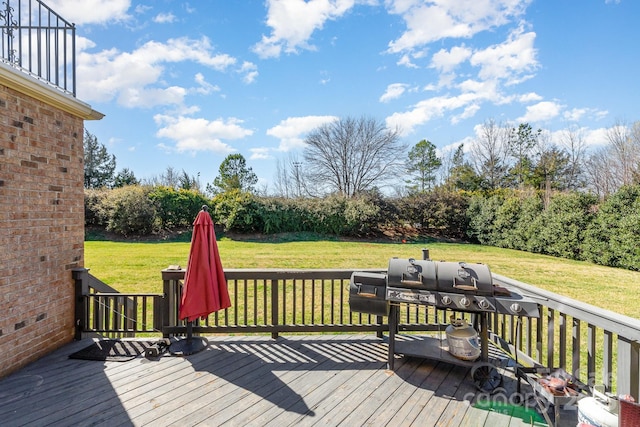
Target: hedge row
pixel 138 210
pixel 570 225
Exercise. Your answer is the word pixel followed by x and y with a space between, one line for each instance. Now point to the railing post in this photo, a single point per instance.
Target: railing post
pixel 274 307
pixel 81 278
pixel 169 305
pixel 628 367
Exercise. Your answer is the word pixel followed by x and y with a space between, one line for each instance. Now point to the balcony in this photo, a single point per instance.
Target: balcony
pixel 38 42
pixel 289 351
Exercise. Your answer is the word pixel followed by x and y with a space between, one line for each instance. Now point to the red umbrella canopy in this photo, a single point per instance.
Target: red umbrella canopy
pixel 205 287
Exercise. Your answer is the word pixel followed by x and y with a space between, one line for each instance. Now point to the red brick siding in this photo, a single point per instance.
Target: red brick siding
pixel 41 226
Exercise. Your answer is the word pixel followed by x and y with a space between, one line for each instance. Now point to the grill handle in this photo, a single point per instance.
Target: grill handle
pixel 367 294
pixel 412 282
pixel 465 287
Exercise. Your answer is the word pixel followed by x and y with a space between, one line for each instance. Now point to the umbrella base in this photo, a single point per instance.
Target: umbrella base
pixel 187 346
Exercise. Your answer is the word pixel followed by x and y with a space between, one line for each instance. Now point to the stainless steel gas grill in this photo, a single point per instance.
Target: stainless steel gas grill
pixel 455 286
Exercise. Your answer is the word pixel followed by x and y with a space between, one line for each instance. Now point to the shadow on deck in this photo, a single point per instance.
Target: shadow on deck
pixel 253 380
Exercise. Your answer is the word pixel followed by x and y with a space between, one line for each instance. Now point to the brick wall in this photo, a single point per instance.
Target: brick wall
pixel 41 226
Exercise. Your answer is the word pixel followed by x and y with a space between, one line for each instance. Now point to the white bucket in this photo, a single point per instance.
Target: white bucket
pixel 594 412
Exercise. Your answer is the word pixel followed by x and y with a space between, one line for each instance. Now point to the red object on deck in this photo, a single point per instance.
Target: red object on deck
pixel 205 287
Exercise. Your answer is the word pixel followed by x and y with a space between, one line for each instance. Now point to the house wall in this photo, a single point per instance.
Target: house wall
pixel 41 221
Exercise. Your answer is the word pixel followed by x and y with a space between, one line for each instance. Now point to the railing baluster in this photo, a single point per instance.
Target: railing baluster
pixel 591 352
pixel 607 360
pixel 528 340
pixel 550 337
pixel 539 338
pixel 575 347
pixel 563 342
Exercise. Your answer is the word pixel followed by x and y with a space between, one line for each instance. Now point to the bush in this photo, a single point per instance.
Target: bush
pixel 237 211
pixel 561 227
pixel 482 217
pixel 176 208
pixel 93 199
pixel 612 237
pixel 128 211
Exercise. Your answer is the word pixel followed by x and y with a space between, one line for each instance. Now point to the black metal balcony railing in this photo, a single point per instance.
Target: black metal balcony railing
pixel 39 42
pixel 595 345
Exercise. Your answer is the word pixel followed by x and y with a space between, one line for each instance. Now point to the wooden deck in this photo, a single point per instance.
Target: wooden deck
pixel 248 381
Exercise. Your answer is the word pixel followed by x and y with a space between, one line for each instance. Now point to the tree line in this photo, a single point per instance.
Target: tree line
pixel 513 187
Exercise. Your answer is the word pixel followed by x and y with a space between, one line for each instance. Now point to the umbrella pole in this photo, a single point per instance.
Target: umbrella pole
pixel 188 345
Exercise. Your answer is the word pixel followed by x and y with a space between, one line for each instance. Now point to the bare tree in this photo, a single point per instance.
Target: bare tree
pixel 489 154
pixel 572 140
pixel 349 156
pixel 290 178
pixel 599 167
pixel 618 163
pixel 624 143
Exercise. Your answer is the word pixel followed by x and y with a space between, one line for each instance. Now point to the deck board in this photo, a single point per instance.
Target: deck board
pixel 324 380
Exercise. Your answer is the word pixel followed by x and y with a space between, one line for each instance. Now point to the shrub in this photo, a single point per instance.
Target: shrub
pixel 612 237
pixel 237 211
pixel 128 211
pixel 176 208
pixel 561 227
pixel 93 199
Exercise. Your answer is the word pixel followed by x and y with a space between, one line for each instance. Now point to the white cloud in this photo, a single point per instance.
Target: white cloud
pixel 394 90
pixel 199 134
pixel 204 87
pixel 260 153
pixel 293 22
pixel 292 130
pixel 250 71
pixel 446 61
pixel 540 112
pixel 512 61
pixel 529 97
pixel 83 12
pixel 429 109
pixel 576 114
pixel 164 18
pixel 149 97
pixel 435 20
pixel 130 76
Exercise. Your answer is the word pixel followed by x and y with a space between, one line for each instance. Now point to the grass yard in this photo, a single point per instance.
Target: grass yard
pixel 135 267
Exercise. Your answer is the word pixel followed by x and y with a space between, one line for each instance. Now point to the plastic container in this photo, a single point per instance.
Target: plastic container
pixel 594 412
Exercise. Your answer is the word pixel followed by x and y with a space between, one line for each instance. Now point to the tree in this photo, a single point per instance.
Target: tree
pixel 461 174
pixel 188 182
pixel 489 153
pixel 422 166
pixel 521 142
pixel 573 143
pixel 99 165
pixel 350 156
pixel 125 177
pixel 618 163
pixel 233 175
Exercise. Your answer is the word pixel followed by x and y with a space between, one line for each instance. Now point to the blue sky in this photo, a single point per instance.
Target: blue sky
pixel 184 84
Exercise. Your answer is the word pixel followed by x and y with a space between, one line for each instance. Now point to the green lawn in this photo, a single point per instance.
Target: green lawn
pixel 135 267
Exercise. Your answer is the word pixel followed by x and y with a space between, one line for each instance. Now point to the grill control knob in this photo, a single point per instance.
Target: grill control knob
pixel 516 308
pixel 465 302
pixel 484 304
pixel 446 300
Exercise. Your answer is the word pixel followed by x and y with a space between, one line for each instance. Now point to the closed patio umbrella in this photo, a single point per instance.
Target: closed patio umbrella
pixel 205 287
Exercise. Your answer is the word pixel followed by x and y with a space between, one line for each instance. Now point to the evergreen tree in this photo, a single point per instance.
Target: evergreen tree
pixel 233 175
pixel 99 165
pixel 423 165
pixel 125 177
